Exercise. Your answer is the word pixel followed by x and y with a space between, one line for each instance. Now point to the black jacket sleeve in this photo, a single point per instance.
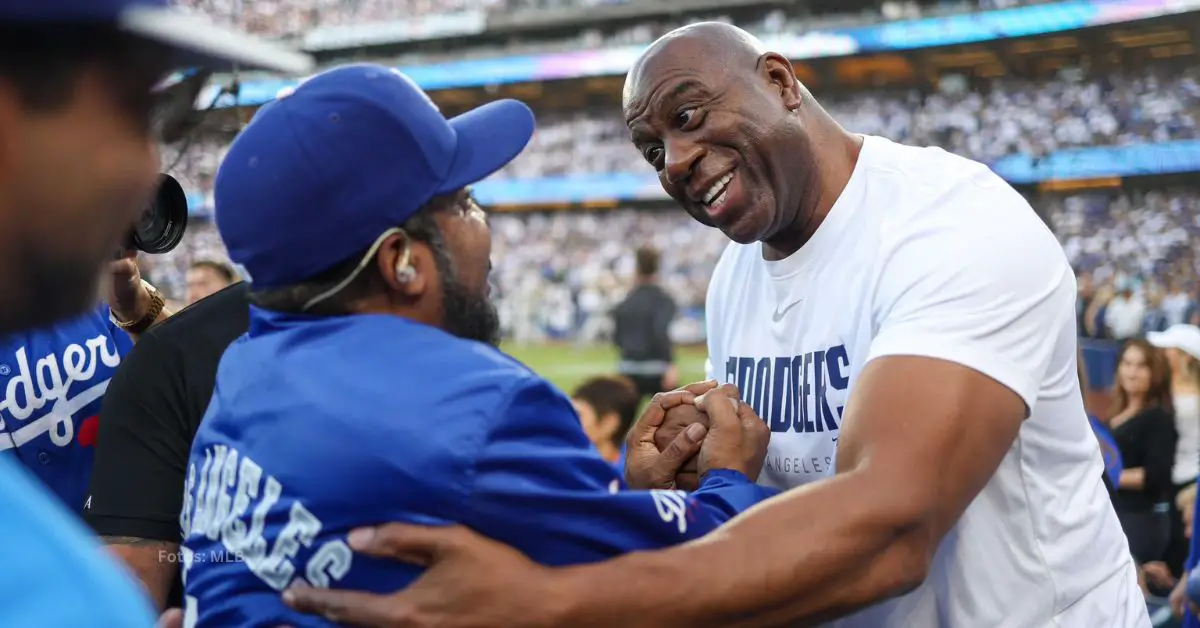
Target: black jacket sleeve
pixel 1161 438
pixel 142 447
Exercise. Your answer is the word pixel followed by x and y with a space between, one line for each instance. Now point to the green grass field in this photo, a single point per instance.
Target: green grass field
pixel 566 366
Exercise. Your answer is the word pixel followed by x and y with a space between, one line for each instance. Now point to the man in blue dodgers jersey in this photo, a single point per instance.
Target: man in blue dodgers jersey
pixel 368 387
pixel 904 323
pixel 75 129
pixel 52 381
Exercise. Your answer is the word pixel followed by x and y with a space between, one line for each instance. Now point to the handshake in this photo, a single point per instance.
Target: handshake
pixel 684 433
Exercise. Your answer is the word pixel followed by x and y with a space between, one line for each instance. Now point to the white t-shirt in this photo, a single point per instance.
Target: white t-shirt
pixel 1187 450
pixel 926 253
pixel 1124 316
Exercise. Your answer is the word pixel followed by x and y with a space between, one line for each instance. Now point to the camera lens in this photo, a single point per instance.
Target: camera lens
pixel 162 223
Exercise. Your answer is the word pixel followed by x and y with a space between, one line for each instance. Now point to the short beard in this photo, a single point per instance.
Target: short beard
pixel 465 315
pixel 48 289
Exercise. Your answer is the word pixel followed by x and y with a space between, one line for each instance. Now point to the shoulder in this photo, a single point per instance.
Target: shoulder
pixel 950 218
pixel 929 187
pixel 376 359
pixel 227 309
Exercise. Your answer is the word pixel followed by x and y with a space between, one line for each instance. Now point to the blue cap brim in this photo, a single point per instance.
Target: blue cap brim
pixel 489 137
pixel 202 43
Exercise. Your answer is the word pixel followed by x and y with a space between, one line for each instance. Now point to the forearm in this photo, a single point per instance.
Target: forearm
pixel 153 562
pixel 777 564
pixel 1132 479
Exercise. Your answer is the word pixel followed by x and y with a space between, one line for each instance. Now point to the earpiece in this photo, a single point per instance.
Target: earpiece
pixel 404 272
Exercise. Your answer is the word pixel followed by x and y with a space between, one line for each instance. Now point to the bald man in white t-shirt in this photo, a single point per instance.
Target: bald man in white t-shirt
pixel 905 324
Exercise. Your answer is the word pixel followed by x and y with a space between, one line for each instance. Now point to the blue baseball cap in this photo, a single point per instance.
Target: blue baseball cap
pixel 324 169
pixel 196 40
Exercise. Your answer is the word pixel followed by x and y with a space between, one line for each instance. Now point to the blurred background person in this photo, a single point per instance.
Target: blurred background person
pixel 1124 314
pixel 607 407
pixel 1180 345
pixel 642 329
pixel 1143 426
pixel 205 277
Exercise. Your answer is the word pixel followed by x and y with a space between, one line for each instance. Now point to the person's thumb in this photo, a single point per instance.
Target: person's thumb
pixel 722 407
pixel 685 445
pixel 419 545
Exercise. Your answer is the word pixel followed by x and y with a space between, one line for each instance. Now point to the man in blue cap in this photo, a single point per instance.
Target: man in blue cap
pixel 76 105
pixel 369 387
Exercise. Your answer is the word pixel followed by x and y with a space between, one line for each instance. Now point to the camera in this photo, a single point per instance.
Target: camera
pixel 162 222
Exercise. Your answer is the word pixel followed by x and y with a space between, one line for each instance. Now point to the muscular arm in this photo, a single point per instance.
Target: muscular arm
pixel 880 519
pixel 154 562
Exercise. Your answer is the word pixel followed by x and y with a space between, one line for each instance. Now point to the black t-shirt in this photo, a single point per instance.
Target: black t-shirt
pixel 151 411
pixel 642 323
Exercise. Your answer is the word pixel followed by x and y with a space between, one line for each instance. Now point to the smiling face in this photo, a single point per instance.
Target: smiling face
pixel 717 119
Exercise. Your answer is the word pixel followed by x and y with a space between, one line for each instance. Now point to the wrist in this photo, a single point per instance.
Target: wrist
pixel 732 475
pixel 144 315
pixel 142 302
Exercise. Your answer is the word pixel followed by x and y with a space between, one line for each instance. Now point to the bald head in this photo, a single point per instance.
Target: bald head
pixel 721 120
pixel 705 46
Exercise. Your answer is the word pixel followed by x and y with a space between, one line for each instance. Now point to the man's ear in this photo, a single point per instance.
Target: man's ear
pixel 782 76
pixel 406 266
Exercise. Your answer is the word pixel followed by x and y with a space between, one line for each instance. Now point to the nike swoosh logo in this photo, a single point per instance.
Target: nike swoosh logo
pixel 779 314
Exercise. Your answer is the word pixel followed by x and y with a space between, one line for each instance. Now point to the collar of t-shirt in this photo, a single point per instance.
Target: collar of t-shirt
pixel 786 274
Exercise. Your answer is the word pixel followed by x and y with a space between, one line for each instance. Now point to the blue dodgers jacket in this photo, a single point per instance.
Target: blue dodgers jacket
pixel 319 425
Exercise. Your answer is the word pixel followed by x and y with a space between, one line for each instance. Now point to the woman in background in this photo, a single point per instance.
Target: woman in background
pixel 1142 423
pixel 1181 347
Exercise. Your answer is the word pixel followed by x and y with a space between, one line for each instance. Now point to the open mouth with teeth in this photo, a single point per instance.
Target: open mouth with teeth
pixel 715 196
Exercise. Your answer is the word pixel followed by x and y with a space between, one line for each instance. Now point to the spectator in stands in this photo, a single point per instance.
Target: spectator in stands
pixel 607 406
pixel 1178 304
pixel 1181 347
pixel 1086 292
pixel 207 277
pixel 1155 318
pixel 642 324
pixel 1185 503
pixel 1124 314
pixel 1095 316
pixel 1142 423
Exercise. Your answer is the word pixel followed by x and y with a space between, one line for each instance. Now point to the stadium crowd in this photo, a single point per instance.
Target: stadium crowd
pixel 290 18
pixel 1140 241
pixel 1005 117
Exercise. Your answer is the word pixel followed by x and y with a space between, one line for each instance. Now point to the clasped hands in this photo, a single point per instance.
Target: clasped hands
pixel 684 433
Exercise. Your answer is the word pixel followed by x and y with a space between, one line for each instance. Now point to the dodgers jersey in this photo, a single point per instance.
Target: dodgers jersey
pixel 320 425
pixel 930 254
pixel 53 380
